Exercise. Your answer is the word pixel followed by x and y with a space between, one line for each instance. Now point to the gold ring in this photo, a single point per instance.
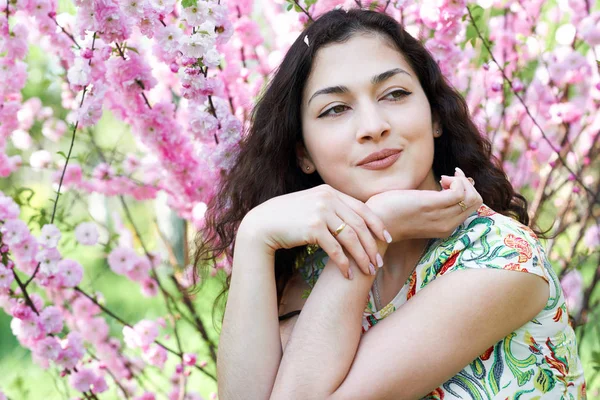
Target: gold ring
pixel 462 205
pixel 472 181
pixel 339 229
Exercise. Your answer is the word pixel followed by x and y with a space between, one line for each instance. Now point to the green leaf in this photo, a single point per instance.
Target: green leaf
pixel 62 154
pixel 132 49
pixel 310 3
pixel 289 7
pixel 471 33
pixel 189 3
pixel 477 12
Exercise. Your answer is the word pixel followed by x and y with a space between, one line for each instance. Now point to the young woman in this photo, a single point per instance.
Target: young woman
pixel 358 148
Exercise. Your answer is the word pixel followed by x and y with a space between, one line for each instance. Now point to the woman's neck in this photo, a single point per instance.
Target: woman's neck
pixel 401 258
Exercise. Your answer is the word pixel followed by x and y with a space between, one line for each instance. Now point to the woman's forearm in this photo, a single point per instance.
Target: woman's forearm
pixel 250 345
pixel 323 344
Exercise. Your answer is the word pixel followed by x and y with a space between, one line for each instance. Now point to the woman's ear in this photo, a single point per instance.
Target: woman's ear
pixel 304 161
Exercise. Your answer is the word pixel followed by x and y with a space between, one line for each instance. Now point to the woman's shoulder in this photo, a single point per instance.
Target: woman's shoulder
pixel 488 239
pixel 488 223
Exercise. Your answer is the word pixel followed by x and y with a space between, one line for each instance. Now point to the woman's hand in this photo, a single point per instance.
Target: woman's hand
pixel 311 217
pixel 412 214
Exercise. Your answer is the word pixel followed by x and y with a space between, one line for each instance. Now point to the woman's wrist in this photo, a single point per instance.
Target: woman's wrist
pixel 251 231
pixel 394 229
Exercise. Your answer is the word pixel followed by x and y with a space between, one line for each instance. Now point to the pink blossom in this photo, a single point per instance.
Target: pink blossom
pixel 70 272
pixel 54 129
pixel 72 350
pixel 145 396
pixel 90 112
pixel 68 358
pixel 147 332
pixel 26 250
pixel 51 319
pixel 50 236
pixel 589 29
pixel 121 259
pixel 27 330
pixel 86 233
pixel 248 31
pixel 110 21
pixel 140 269
pixel 125 74
pixel 163 7
pixel 48 259
pixel 94 330
pixel 155 355
pixel 84 308
pixel 22 311
pixel 149 287
pixel 167 38
pixel 14 231
pixel 15 47
pixel 72 175
pixel 21 139
pixel 8 113
pixel 80 72
pixel 194 15
pixel 133 8
pixel 6 277
pixel 48 348
pixel 13 74
pixel 189 359
pixel 565 112
pixel 572 286
pixel 83 379
pixel 40 159
pixel 8 208
pixel 591 238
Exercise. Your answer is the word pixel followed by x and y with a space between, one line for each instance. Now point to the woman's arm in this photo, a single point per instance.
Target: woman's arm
pixel 324 341
pixel 250 346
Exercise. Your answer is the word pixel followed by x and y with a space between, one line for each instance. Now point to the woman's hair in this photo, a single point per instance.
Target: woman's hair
pixel 266 165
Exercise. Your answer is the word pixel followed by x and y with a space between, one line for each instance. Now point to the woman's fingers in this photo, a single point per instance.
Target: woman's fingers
pixel 334 249
pixel 374 223
pixel 358 240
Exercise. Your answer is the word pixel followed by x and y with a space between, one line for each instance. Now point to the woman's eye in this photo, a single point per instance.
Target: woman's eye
pixel 334 110
pixel 398 94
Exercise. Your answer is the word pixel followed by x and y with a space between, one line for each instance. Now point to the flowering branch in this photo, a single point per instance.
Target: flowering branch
pixel 556 151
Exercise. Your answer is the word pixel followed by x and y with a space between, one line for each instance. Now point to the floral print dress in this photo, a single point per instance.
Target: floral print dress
pixel 537 361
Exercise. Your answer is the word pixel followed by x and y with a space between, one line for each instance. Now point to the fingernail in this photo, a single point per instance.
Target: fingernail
pixel 460 171
pixel 379 260
pixel 387 236
pixel 372 268
pixel 350 273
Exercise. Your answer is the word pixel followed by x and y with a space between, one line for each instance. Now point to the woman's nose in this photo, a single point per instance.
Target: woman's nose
pixel 372 123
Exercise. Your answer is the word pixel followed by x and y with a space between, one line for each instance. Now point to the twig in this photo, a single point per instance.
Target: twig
pixel 62 176
pixel 139 83
pixel 304 11
pixel 67 33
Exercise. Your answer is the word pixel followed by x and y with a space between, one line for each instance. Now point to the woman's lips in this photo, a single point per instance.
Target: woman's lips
pixel 383 163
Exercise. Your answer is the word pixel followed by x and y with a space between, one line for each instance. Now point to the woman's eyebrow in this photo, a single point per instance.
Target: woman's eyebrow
pixel 374 80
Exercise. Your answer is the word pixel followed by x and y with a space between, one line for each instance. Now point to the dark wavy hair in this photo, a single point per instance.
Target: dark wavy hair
pixel 266 165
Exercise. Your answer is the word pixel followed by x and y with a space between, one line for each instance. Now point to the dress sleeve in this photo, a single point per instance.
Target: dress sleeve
pixel 495 241
pixel 313 266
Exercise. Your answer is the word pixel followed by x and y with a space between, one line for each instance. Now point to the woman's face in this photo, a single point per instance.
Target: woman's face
pixel 362 97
